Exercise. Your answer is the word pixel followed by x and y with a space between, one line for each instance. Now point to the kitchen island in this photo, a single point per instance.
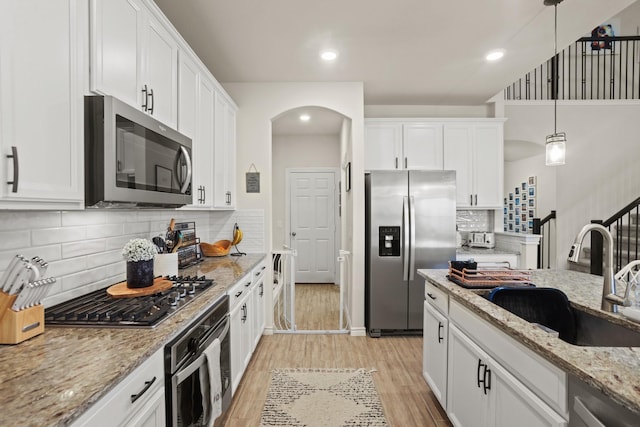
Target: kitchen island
pixel 615 371
pixel 51 379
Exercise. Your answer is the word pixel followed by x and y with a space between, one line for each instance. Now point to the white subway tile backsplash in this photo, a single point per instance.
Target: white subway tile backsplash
pixel 83 248
pixel 87 217
pixel 27 220
pixel 47 236
pixel 15 239
pixel 104 230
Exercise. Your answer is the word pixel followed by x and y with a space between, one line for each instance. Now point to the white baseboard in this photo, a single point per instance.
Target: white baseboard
pixel 268 331
pixel 359 332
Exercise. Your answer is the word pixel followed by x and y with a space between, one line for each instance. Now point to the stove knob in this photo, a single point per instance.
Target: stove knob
pixel 192 289
pixel 174 297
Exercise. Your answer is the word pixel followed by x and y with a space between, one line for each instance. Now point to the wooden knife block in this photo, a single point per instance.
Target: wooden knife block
pixel 18 326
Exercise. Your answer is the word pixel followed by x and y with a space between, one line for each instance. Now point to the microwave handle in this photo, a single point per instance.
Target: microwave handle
pixel 184 185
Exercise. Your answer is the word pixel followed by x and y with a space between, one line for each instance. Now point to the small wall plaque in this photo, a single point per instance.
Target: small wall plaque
pixel 253 180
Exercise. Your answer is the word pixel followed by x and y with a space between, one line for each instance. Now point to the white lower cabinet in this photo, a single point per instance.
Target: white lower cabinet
pixel 435 343
pixel 246 303
pixel 483 377
pixel 139 400
pixel 483 393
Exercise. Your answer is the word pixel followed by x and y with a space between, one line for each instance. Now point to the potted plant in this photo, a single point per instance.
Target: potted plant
pixel 139 255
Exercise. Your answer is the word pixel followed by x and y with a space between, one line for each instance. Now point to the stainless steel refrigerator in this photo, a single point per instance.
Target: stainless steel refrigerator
pixel 410 225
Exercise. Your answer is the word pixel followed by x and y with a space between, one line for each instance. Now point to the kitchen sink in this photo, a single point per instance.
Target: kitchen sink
pixel 551 309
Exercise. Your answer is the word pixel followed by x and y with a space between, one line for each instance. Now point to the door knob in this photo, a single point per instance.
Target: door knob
pixel 293 233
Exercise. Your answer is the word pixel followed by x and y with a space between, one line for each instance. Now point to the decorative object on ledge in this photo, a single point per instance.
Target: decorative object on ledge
pixel 139 254
pixel 253 179
pixel 555 146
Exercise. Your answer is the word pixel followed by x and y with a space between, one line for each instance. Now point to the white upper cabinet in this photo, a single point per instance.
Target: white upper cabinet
pixel 382 145
pixel 475 151
pixel 393 145
pixel 134 58
pixel 203 144
pixel 224 153
pixel 41 107
pixel 422 146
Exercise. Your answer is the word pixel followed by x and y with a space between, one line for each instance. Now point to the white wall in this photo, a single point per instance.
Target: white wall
pixel 259 103
pixel 601 174
pixel 297 151
pixel 406 111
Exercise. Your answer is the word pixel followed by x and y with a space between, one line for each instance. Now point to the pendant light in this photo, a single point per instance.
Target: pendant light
pixel 555 147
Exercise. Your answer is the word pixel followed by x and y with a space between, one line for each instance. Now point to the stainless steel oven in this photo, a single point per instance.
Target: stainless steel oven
pixel 133 160
pixel 187 393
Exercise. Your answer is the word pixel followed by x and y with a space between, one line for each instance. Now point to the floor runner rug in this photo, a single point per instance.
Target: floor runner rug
pixel 322 397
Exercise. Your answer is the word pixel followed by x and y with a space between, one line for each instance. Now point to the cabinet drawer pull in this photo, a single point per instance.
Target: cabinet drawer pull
pixel 204 194
pixel 405 163
pixel 487 379
pixel 238 294
pixel 153 101
pixel 246 285
pixel 145 98
pixel 471 199
pixel 475 199
pixel 396 163
pixel 16 174
pixel 430 295
pixel 440 328
pixel 147 384
pixel 480 365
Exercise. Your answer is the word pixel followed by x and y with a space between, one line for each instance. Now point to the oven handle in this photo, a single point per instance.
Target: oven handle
pixel 193 366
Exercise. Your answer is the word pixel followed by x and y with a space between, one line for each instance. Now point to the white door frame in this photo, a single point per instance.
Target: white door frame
pixel 336 205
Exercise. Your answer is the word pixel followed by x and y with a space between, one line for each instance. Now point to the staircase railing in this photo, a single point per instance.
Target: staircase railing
pixel 626 238
pixel 591 68
pixel 543 227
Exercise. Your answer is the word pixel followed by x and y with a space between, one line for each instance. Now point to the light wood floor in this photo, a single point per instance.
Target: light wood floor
pixel 317 307
pixel 406 398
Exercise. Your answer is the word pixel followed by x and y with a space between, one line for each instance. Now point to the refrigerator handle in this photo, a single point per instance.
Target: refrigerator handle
pixel 412 231
pixel 405 238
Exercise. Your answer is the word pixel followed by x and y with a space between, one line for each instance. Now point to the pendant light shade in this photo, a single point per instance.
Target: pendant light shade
pixel 555 149
pixel 555 146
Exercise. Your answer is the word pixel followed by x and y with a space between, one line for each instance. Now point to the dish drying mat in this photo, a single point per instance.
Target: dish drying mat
pixel 490 277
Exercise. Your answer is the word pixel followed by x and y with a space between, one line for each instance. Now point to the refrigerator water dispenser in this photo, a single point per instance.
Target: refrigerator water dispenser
pixel 389 241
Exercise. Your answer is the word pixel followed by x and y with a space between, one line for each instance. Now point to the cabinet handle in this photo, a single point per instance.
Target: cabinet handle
pixel 246 285
pixel 147 384
pixel 238 294
pixel 475 199
pixel 153 101
pixel 261 289
pixel 244 313
pixel 204 194
pixel 228 194
pixel 480 365
pixel 471 199
pixel 430 295
pixel 16 174
pixel 487 379
pixel 145 98
pixel 396 163
pixel 405 163
pixel 440 328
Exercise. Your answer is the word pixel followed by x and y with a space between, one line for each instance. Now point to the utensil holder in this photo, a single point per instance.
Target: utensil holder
pixel 165 264
pixel 18 326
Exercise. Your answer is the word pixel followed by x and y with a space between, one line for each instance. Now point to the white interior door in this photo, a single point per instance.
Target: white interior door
pixel 312 229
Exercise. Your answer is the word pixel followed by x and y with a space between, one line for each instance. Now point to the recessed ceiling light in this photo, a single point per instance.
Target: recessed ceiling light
pixel 494 55
pixel 329 55
pixel 305 117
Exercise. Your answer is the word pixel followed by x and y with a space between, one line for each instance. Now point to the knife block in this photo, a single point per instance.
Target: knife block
pixel 18 326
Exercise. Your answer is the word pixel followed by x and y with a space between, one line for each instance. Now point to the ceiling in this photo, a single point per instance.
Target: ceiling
pixel 406 52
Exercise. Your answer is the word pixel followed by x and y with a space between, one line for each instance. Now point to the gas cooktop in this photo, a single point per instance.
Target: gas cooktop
pixel 99 309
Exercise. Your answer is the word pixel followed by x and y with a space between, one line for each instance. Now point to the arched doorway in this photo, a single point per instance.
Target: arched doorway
pixel 307 179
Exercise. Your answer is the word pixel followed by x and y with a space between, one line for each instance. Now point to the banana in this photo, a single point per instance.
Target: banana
pixel 237 235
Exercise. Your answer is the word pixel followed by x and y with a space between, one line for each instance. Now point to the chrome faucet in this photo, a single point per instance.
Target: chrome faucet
pixel 610 300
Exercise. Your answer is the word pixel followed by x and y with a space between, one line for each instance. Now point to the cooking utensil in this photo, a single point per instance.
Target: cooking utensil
pixel 160 244
pixel 21 278
pixel 178 241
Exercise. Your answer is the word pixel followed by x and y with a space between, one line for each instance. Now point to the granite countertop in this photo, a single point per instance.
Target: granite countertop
pixel 51 379
pixel 613 370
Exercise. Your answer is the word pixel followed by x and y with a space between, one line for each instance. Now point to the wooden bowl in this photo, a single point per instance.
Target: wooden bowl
pixel 219 248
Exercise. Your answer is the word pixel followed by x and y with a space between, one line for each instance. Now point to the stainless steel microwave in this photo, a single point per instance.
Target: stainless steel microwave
pixel 133 160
